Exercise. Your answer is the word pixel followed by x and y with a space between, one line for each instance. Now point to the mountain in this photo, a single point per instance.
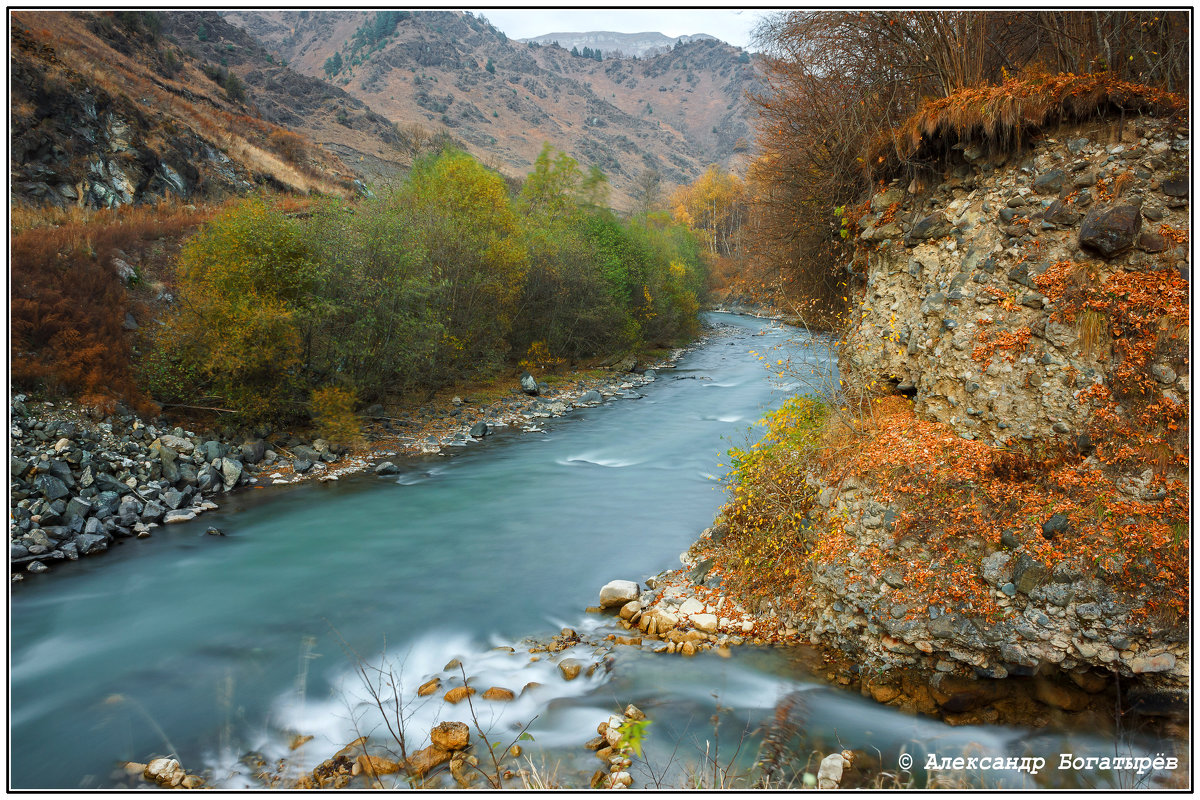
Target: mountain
pixel 449 71
pixel 618 45
pixel 111 108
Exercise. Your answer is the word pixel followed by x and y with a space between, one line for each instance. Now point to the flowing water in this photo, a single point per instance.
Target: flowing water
pixel 208 647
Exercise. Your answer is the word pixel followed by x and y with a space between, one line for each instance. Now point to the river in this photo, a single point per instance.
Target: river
pixel 208 647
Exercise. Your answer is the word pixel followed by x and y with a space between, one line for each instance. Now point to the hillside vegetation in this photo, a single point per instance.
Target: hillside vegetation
pixel 268 308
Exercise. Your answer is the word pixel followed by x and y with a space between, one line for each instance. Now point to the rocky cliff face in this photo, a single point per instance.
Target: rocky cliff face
pixel 955 310
pixel 113 109
pixel 1029 303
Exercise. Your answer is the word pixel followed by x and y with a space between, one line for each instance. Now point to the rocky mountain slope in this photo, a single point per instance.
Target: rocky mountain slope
pixel 618 45
pixel 429 71
pixel 111 108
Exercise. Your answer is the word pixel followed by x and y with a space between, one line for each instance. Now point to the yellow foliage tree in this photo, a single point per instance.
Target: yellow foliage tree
pixel 714 206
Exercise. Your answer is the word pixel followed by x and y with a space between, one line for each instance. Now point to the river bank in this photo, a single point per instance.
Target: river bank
pixel 79 486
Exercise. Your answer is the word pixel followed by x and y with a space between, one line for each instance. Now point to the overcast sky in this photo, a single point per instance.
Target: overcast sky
pixel 732 26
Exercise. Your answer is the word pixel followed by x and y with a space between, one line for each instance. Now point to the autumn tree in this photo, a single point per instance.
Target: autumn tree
pixel 714 206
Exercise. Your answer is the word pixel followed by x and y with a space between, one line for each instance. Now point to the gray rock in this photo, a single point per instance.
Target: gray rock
pixel 36 567
pixel 90 543
pixel 1049 182
pixel 1162 373
pixel 173 499
pixel 182 515
pixel 1057 524
pixel 153 512
pixel 590 396
pixel 529 384
pixel 386 468
pixel 253 451
pixel 1175 187
pixel 1028 573
pixel 78 507
pixel 1075 146
pixel 212 450
pixel 933 226
pixel 207 479
pixel 1110 231
pixel 997 568
pixel 618 593
pixel 1060 213
pixel 16 550
pixel 934 303
pixel 306 453
pixel 105 504
pixel 479 429
pixel 50 487
pixel 214 532
pixel 128 511
pixel 231 471
pixel 301 465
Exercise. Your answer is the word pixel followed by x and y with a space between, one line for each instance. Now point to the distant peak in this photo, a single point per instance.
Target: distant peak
pixel 609 42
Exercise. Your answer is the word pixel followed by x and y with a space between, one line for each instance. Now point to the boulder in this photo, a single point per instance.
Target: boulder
pixel 829 775
pixel 590 396
pixel 529 384
pixel 933 226
pixel 306 453
pixel 451 735
pixel 386 468
pixel 423 761
pixel 1110 231
pixel 87 544
pixel 479 429
pixel 179 444
pixel 1028 574
pixel 165 772
pixel 458 694
pixel 1057 524
pixel 570 669
pixel 706 623
pixel 1049 182
pixel 618 593
pixel 231 471
pixel 1159 662
pixel 51 487
pixel 691 606
pixel 253 451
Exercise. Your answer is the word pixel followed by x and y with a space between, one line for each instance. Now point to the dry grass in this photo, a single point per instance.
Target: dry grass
pixel 1001 116
pixel 75 55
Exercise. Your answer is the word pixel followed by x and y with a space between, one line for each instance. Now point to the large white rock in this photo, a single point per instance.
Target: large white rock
pixel 618 593
pixel 164 772
pixel 705 623
pixel 691 606
pixel 829 776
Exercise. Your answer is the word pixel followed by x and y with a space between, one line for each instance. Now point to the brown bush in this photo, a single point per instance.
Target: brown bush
pixel 68 303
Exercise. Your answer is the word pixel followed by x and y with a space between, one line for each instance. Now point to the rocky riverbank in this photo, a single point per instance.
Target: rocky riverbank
pixel 81 486
pixel 690 610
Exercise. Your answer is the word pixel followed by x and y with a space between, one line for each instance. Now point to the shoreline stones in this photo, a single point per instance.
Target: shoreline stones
pixel 78 486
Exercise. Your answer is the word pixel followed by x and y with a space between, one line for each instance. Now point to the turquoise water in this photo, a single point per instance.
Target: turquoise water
pixel 207 647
